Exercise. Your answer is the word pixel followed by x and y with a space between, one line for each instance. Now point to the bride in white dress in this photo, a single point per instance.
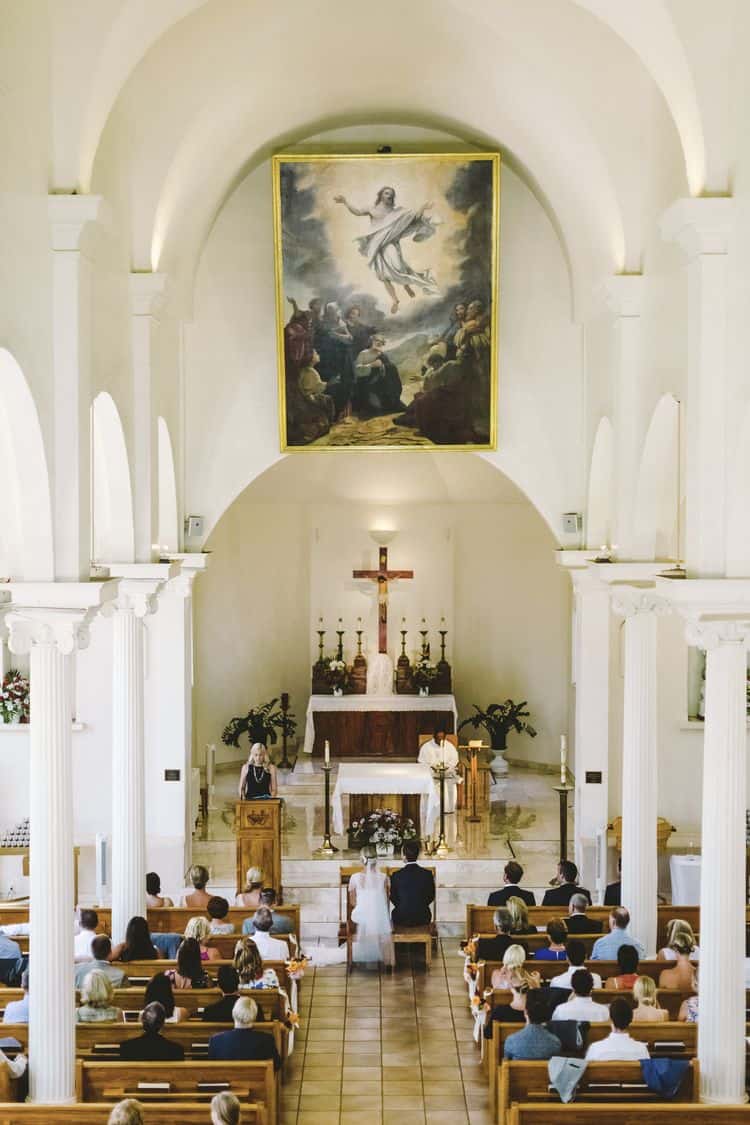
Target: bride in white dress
pixel 368 892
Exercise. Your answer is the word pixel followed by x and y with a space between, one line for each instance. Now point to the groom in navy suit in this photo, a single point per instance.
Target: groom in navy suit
pixel 412 890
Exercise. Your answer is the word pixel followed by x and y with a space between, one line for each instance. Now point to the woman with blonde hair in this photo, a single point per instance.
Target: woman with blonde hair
pixel 682 975
pixel 520 983
pixel 258 775
pixel 197 899
pixel 97 996
pixel 225 1109
pixel 647 1009
pixel 249 965
pixel 677 926
pixel 199 929
pixel 250 896
pixel 519 913
pixel 127 1112
pixel 514 959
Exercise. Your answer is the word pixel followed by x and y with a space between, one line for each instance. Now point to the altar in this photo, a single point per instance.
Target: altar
pixel 386 777
pixel 375 726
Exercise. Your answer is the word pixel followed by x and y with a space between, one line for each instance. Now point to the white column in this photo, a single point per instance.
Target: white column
pixel 69 216
pixel 702 227
pixel 639 607
pixel 721 1041
pixel 135 599
pixel 146 294
pixel 51 636
pixel 624 296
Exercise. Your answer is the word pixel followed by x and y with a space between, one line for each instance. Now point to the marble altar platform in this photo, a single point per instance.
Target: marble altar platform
pixel 522 822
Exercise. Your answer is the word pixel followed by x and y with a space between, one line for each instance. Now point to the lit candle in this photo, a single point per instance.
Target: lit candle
pixel 327 753
pixel 563 758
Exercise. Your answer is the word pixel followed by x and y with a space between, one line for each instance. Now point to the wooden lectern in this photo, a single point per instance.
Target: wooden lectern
pixel 257 826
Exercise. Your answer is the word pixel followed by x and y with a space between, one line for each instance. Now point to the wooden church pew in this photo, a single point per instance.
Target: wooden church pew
pixel 156 1113
pixel 270 1002
pixel 187 1081
pixel 549 969
pixel 622 1113
pixel 665 1040
pixel 167 919
pixel 145 970
pixel 669 998
pixel 529 1081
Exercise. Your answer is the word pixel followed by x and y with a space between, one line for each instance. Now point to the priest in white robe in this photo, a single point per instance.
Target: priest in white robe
pixel 438 751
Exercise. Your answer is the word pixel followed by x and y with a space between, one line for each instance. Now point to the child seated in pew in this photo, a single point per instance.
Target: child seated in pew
pixel 97 1001
pixel 218 908
pixel 225 1109
pixel 159 990
pixel 127 1112
pixel 647 1010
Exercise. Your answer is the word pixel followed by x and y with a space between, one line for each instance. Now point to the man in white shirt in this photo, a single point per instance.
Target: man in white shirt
pixel 618 1046
pixel 439 751
pixel 581 1006
pixel 88 922
pixel 576 952
pixel 17 1011
pixel 270 949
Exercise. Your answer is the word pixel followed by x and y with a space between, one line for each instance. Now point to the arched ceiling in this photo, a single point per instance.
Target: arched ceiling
pixel 195 93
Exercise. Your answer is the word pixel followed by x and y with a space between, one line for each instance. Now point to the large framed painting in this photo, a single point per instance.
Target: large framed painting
pixel 386 289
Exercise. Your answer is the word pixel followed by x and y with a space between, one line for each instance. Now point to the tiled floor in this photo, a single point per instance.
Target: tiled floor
pixel 386 1048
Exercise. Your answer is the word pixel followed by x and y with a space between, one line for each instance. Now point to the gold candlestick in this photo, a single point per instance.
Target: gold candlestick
pixel 326 849
pixel 441 851
pixel 475 745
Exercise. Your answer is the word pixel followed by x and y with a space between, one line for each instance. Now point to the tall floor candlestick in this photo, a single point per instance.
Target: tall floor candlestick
pixel 475 745
pixel 326 849
pixel 562 792
pixel 284 764
pixel 442 849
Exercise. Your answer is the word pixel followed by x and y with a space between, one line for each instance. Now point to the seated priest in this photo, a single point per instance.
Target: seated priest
pixel 438 751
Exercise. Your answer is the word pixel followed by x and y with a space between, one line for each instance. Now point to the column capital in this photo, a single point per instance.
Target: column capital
pixel 622 293
pixel 191 565
pixel 699 225
pixel 631 601
pixel 695 598
pixel 69 215
pixel 54 613
pixel 147 293
pixel 710 633
pixel 139 585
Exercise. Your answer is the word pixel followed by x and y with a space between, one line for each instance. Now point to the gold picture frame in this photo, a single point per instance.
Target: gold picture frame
pixel 374 352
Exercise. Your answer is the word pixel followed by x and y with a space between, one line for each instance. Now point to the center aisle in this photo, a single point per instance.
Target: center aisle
pixel 386 1048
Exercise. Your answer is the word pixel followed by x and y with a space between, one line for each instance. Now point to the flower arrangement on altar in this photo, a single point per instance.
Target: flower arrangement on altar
pixel 425 673
pixel 15 698
pixel 382 827
pixel 337 675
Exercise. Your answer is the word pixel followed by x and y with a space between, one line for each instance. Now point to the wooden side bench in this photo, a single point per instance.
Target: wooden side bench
pixel 97 1113
pixel 622 1113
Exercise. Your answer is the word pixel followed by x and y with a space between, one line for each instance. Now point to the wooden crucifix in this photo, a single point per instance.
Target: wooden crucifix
pixel 382 576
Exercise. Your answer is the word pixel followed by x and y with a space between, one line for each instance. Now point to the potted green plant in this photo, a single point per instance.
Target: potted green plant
pixel 260 724
pixel 498 720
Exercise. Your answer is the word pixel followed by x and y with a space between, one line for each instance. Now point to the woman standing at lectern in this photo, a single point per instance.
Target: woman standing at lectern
pixel 258 776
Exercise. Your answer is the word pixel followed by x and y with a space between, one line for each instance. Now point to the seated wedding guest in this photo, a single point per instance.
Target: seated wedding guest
pixel 534 1041
pixel 97 1001
pixel 189 972
pixel 578 921
pixel 17 1011
pixel 613 891
pixel 627 963
pixel 154 898
pixel 647 1010
pixel 492 949
pixel 166 945
pixel 271 949
pixel 159 990
pixel 9 950
pixel 520 984
pixel 412 890
pixel 581 1006
pixel 244 1042
pixel 682 975
pixel 17 1066
pixel 513 958
pixel 217 910
pixel 127 1112
pixel 101 951
pixel 566 886
pixel 249 965
pixel 512 876
pixel 605 948
pixel 519 916
pixel 249 898
pixel 197 899
pixel 138 945
pixel 556 936
pixel 152 1046
pixel 576 951
pixel 281 923
pixel 619 1046
pixel 678 926
pixel 199 929
pixel 88 921
pixel 228 980
pixel 688 1012
pixel 225 1109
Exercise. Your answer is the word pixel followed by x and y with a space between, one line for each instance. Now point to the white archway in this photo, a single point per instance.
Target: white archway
pixel 600 505
pixel 656 521
pixel 169 527
pixel 26 540
pixel 113 538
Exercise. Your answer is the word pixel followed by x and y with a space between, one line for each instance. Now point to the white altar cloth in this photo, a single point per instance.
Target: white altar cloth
pixel 685 871
pixel 374 703
pixel 386 777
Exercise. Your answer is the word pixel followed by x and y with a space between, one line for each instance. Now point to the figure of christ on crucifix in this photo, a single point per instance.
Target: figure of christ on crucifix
pixel 382 576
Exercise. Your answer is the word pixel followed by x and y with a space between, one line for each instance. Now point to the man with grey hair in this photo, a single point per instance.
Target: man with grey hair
pixel 244 1042
pixel 270 948
pixel 578 921
pixel 280 923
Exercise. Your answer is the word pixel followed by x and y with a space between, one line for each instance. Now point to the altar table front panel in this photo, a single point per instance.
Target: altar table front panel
pixel 361 726
pixel 386 777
